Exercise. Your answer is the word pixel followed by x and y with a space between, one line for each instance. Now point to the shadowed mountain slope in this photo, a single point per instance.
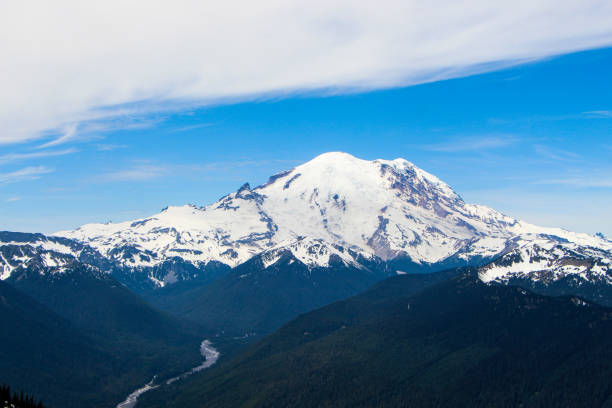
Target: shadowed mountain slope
pixel 459 343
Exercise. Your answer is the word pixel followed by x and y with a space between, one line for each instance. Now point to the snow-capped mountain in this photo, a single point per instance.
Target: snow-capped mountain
pixel 334 207
pixel 546 259
pixel 45 254
pixel 553 266
pixel 388 209
pixel 316 252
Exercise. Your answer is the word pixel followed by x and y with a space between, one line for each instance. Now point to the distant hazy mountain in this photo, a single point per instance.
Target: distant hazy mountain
pixel 413 342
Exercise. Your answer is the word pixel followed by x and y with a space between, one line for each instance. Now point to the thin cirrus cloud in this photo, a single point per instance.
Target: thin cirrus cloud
pixel 70 62
pixel 13 157
pixel 601 114
pixel 146 171
pixel 582 182
pixel 27 173
pixel 69 133
pixel 467 144
pixel 552 153
pixel 143 172
pixel 103 147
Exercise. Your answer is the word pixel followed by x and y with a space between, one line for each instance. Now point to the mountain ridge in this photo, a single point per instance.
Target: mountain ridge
pixel 429 340
pixel 388 209
pixel 376 211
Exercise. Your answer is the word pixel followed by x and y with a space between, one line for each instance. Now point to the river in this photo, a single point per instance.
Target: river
pixel 210 354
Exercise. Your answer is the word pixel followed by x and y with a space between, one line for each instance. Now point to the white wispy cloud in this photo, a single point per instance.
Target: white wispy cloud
pixel 69 133
pixel 62 65
pixel 601 114
pixel 555 153
pixel 474 143
pixel 595 181
pixel 11 199
pixel 13 157
pixel 145 170
pixel 102 147
pixel 27 173
pixel 190 127
pixel 140 172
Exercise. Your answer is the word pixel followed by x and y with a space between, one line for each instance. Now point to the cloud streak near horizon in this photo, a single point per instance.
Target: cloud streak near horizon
pixel 66 63
pixel 27 173
pixel 466 144
pixel 13 157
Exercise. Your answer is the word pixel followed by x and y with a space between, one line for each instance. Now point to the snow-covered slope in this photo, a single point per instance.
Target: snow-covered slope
pixel 553 266
pixel 44 254
pixel 316 252
pixel 546 259
pixel 384 209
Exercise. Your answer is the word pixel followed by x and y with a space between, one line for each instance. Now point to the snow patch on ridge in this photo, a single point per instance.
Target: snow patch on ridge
pixel 313 253
pixel 544 259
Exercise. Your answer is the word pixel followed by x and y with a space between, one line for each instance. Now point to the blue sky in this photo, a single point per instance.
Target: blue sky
pixel 533 141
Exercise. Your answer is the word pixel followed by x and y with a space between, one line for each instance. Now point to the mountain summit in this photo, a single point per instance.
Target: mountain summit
pixel 389 210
